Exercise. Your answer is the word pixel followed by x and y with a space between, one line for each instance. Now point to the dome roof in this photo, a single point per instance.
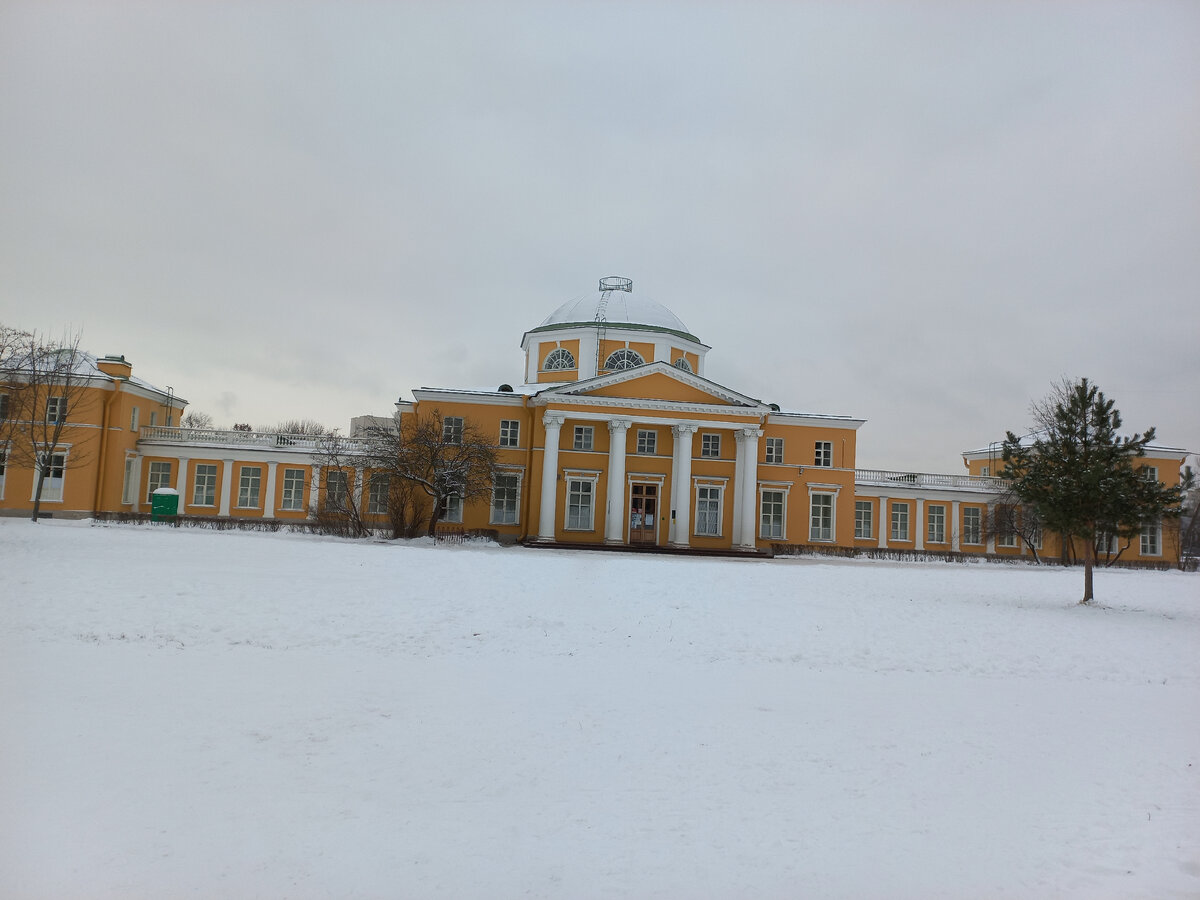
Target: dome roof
pixel 616 304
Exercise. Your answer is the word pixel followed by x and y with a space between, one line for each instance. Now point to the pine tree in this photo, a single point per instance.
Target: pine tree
pixel 1078 473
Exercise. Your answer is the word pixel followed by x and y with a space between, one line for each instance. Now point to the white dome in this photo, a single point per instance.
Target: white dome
pixel 618 305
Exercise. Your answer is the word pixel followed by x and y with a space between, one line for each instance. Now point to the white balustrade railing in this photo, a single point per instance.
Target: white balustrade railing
pixel 266 440
pixel 883 478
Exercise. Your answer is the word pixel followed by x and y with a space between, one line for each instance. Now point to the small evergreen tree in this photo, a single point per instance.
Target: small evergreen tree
pixel 1078 473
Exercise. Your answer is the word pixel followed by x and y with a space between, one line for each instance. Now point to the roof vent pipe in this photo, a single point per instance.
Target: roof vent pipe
pixel 613 283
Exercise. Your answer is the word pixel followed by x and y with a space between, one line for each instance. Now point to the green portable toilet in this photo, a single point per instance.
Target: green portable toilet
pixel 164 504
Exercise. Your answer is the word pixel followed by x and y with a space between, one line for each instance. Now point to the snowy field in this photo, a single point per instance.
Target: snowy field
pixel 198 714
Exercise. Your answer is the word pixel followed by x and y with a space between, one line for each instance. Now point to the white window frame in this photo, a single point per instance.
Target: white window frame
pixel 683 364
pixel 507 516
pixel 972 531
pixel 128 488
pixel 1150 540
pixel 935 523
pixel 590 493
pixel 717 518
pixel 647 441
pixel 452 430
pixel 379 487
pixel 823 532
pixel 53 487
pixel 772 524
pixel 710 444
pixel 510 432
pixel 292 498
pixel 864 519
pixel 560 359
pixel 250 487
pixel 453 513
pixel 158 475
pixel 623 358
pixel 585 438
pixel 773 451
pixel 341 495
pixel 204 485
pixel 56 409
pixel 1006 515
pixel 823 454
pixel 133 419
pixel 985 470
pixel 899 518
pixel 1107 543
pixel 153 417
pixel 1150 473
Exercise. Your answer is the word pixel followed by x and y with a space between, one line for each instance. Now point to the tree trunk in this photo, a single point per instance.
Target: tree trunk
pixel 37 494
pixel 1089 558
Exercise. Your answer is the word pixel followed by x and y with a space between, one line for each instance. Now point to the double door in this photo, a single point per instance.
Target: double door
pixel 643 513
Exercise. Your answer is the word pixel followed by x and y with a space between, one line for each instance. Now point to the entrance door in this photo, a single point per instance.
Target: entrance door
pixel 643 513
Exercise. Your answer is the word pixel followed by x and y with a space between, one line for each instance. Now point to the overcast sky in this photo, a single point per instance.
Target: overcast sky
pixel 919 214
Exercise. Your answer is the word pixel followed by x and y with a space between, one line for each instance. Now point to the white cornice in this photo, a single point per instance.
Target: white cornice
pixel 449 395
pixel 813 420
pixel 577 388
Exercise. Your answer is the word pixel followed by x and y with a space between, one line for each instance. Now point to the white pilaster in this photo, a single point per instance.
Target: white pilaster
pixel 885 523
pixel 136 475
pixel 919 537
pixel 226 486
pixel 990 524
pixel 616 515
pixel 314 490
pixel 181 482
pixel 681 484
pixel 739 476
pixel 747 485
pixel 358 490
pixel 269 500
pixel 954 545
pixel 553 422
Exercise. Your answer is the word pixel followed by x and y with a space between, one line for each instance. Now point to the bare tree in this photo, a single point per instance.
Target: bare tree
pixel 53 378
pixel 448 458
pixel 13 347
pixel 196 419
pixel 342 502
pixel 309 427
pixel 1012 519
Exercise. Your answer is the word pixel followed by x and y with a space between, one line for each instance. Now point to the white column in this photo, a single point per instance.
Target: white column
pixel 748 485
pixel 616 515
pixel 553 422
pixel 358 490
pixel 920 535
pixel 885 522
pixel 954 525
pixel 181 482
pixel 226 486
pixel 990 524
pixel 739 477
pixel 314 490
pixel 681 483
pixel 269 500
pixel 136 475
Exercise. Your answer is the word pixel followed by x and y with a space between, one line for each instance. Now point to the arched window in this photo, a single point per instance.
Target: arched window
pixel 682 363
pixel 623 359
pixel 558 359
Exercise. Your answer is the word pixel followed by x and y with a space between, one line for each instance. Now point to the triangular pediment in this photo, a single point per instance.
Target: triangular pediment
pixel 656 381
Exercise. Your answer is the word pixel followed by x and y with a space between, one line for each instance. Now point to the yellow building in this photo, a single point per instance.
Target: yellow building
pixel 615 437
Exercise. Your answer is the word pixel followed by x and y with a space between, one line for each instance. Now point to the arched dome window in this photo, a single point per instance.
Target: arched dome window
pixel 558 359
pixel 682 363
pixel 623 359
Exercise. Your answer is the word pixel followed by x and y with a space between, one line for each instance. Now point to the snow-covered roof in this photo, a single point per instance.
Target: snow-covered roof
pixel 620 305
pixel 1028 440
pixel 87 365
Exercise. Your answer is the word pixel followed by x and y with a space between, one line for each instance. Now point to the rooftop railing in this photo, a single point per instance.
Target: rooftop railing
pixel 265 440
pixel 882 478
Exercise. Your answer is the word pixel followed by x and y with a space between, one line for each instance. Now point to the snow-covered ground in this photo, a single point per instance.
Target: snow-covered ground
pixel 199 714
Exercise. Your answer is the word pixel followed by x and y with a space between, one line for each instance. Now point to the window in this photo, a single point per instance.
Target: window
pixel 1150 473
pixel 127 486
pixel 133 419
pixel 647 441
pixel 204 492
pixel 153 418
pixel 377 493
pixel 710 445
pixel 452 430
pixel 936 519
pixel 863 515
pixel 972 525
pixel 899 521
pixel 293 489
pixel 1006 530
pixel 558 359
pixel 774 450
pixel 821 522
pixel 54 467
pixel 454 509
pixel 3 406
pixel 708 510
pixel 683 364
pixel 159 477
pixel 583 437
pixel 579 504
pixel 623 359
pixel 56 409
pixel 1106 543
pixel 506 494
pixel 1034 529
pixel 248 489
pixel 772 514
pixel 985 470
pixel 823 453
pixel 510 433
pixel 1151 539
pixel 337 489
